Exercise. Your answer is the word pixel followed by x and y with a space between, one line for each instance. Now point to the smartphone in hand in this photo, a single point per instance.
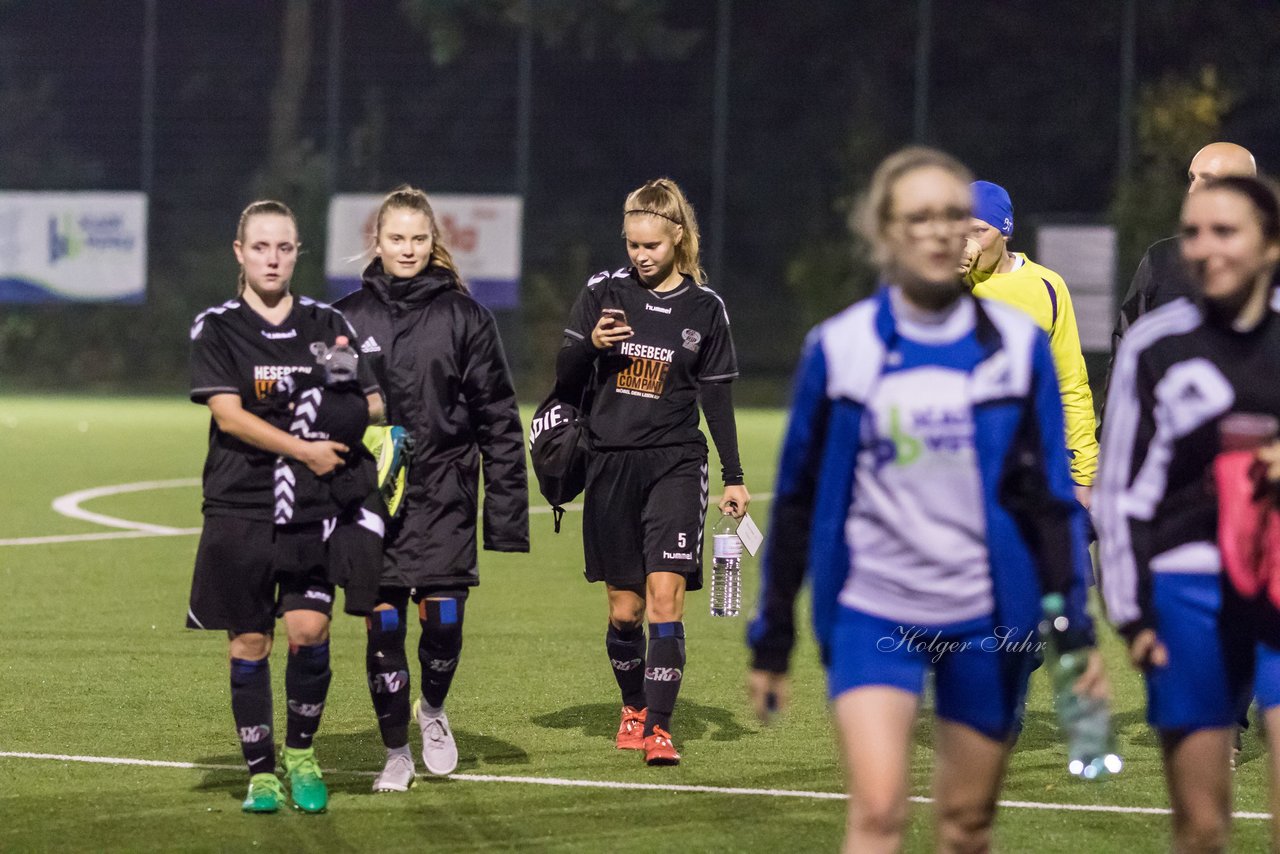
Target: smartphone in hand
pixel 618 316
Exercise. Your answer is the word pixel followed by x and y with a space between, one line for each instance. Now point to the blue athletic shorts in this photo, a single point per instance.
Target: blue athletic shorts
pixel 1266 686
pixel 980 673
pixel 1215 661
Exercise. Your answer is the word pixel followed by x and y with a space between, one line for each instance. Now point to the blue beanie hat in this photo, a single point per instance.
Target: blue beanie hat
pixel 991 204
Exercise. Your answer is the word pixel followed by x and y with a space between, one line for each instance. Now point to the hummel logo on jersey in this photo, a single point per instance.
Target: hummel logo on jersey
pixel 370 346
pixel 254 734
pixel 318 594
pixel 656 308
pixel 624 666
pixel 307 710
pixel 677 555
pixel 662 674
pixel 276 336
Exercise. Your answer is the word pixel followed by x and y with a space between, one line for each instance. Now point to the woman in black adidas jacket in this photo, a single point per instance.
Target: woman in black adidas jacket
pixel 1186 521
pixel 440 364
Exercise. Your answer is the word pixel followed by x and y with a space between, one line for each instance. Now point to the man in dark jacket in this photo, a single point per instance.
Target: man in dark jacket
pixel 1160 277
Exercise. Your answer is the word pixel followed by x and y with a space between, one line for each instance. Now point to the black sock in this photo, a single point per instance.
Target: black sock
pixel 663 673
pixel 306 684
pixel 251 708
pixel 439 646
pixel 388 668
pixel 626 655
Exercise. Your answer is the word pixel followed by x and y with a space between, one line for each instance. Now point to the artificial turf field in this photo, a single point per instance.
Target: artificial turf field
pixel 95 664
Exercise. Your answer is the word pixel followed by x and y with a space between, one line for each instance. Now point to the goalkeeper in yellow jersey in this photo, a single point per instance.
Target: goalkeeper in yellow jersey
pixel 993 272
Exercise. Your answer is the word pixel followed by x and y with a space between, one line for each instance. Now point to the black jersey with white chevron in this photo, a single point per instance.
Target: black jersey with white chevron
pixel 1177 375
pixel 234 350
pixel 646 389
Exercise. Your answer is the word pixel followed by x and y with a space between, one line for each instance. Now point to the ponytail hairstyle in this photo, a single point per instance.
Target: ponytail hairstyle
pixel 259 208
pixel 664 199
pixel 410 198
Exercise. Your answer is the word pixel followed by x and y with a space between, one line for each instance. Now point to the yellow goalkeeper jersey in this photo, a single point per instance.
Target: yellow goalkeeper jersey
pixel 1041 293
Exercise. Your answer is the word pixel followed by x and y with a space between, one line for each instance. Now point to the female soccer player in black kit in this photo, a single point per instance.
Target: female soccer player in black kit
pixel 249 569
pixel 1180 489
pixel 658 341
pixel 438 359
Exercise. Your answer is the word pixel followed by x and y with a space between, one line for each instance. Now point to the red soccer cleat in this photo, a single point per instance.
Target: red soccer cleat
pixel 631 730
pixel 658 749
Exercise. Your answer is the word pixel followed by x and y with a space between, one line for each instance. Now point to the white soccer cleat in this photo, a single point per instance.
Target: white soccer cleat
pixel 439 750
pixel 397 775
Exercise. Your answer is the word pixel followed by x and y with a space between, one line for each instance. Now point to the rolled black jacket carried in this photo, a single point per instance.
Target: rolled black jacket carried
pixel 439 361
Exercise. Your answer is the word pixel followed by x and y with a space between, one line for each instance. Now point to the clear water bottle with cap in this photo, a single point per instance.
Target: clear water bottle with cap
pixel 1086 721
pixel 726 566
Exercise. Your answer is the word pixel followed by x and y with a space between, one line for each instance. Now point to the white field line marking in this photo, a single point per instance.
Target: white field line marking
pixel 613 784
pixel 69 505
pixel 105 535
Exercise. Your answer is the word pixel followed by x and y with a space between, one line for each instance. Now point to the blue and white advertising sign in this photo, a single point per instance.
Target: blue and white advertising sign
pixel 481 231
pixel 73 247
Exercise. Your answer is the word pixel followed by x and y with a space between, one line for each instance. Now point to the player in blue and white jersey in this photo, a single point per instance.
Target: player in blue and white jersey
pixel 924 489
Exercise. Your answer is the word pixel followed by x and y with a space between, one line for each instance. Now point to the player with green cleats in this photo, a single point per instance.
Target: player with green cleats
pixel 266 793
pixel 306 784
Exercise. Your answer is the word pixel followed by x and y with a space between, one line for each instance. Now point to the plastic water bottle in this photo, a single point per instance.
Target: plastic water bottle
pixel 726 565
pixel 1086 721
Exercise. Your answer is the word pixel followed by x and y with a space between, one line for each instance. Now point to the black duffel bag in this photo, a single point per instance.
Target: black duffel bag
pixel 558 448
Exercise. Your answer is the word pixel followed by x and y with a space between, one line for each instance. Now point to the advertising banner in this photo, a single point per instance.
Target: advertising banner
pixel 482 233
pixel 1085 257
pixel 73 247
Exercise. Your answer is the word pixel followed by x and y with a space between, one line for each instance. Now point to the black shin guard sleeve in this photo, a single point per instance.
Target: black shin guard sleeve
pixel 439 646
pixel 664 670
pixel 625 646
pixel 306 684
pixel 251 708
pixel 387 666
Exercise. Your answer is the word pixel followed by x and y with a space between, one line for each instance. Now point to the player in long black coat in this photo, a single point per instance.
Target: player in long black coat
pixel 439 361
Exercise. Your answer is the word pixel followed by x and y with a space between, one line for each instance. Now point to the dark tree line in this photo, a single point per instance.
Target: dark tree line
pixel 1027 94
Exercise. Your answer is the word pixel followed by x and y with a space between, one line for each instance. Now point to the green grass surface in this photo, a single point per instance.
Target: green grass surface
pixel 94 662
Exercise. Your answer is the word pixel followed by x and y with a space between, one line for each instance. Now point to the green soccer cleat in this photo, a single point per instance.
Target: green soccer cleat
pixel 306 784
pixel 391 448
pixel 266 794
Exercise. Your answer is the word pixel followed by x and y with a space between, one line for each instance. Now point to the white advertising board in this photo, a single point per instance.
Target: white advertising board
pixel 1085 257
pixel 481 231
pixel 73 247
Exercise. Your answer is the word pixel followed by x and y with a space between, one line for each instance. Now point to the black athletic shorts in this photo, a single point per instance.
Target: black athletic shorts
pixel 643 512
pixel 399 597
pixel 248 572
